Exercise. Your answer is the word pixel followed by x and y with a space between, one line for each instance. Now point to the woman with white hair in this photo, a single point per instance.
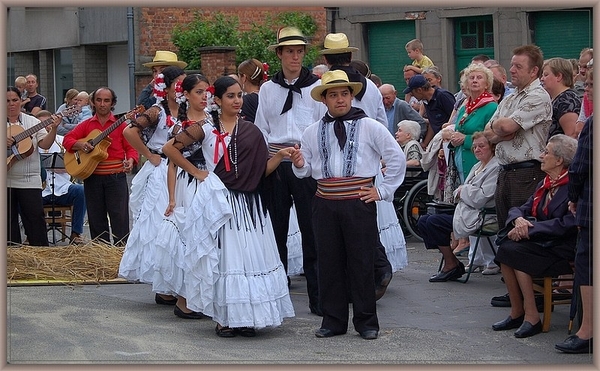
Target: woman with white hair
pixel 472 116
pixel 408 137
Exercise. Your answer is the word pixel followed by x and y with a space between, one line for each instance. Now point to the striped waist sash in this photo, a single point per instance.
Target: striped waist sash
pixel 109 167
pixel 275 147
pixel 342 188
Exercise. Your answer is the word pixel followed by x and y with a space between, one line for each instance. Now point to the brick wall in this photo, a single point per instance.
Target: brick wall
pixel 218 61
pixel 155 24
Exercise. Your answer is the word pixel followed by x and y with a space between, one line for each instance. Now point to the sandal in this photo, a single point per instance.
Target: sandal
pixel 248 332
pixel 224 332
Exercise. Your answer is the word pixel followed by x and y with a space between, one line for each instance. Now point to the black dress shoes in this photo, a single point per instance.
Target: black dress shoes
pixel 382 285
pixel 574 344
pixel 191 315
pixel 527 329
pixel 160 300
pixel 325 333
pixel 508 323
pixel 369 334
pixel 451 275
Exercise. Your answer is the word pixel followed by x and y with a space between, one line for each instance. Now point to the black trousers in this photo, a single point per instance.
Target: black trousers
pixel 346 235
pixel 513 188
pixel 28 203
pixel 107 196
pixel 282 188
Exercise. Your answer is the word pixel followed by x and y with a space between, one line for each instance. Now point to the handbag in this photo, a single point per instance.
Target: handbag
pixel 451 180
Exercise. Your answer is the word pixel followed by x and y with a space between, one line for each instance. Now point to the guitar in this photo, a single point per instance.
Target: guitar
pixel 23 146
pixel 80 164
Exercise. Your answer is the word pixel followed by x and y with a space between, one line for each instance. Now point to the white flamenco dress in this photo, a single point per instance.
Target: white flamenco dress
pixel 294 245
pixel 390 232
pixel 232 268
pixel 147 201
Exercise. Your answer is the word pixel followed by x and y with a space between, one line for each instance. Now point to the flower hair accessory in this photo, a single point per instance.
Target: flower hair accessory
pixel 266 69
pixel 179 96
pixel 210 99
pixel 159 88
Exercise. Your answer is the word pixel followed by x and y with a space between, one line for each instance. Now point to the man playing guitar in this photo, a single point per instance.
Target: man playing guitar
pixel 106 189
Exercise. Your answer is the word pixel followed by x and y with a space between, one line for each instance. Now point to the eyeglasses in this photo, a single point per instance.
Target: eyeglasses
pixel 588 85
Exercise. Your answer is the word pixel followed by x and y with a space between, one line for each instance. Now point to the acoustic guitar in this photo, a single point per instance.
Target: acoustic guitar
pixel 23 146
pixel 80 164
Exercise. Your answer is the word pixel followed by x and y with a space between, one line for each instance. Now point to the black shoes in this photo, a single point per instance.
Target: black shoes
pixel 501 301
pixel 451 275
pixel 382 285
pixel 574 345
pixel 527 329
pixel 191 315
pixel 369 334
pixel 508 323
pixel 247 332
pixel 325 333
pixel 159 300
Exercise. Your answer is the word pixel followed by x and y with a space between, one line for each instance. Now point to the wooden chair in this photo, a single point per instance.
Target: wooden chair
pixel 58 219
pixel 544 286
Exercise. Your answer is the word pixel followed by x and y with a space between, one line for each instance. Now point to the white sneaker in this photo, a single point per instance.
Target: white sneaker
pixel 491 271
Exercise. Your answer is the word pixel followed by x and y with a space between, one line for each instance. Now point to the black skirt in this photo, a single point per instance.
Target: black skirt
pixel 535 260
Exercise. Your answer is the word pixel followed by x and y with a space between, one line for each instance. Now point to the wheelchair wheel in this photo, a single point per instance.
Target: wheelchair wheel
pixel 415 205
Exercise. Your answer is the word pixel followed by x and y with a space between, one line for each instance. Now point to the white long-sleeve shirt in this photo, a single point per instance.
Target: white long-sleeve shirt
pixel 370 143
pixel 287 127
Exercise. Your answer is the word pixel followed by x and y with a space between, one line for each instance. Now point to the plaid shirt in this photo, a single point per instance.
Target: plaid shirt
pixel 580 176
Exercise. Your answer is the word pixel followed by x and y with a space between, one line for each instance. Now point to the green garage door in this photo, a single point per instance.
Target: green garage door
pixel 562 34
pixel 387 55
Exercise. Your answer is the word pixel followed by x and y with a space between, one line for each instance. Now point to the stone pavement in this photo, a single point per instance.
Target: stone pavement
pixel 421 323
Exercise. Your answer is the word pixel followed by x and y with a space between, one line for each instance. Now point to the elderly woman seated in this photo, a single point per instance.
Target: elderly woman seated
pixel 540 240
pixel 408 137
pixel 476 193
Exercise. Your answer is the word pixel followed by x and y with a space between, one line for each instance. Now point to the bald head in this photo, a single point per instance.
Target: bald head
pixel 388 92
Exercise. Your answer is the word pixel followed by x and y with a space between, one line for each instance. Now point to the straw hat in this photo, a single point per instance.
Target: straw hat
pixel 165 58
pixel 288 36
pixel 334 79
pixel 337 43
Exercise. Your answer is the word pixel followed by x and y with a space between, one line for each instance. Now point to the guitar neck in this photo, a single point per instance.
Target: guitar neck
pixel 109 130
pixel 34 129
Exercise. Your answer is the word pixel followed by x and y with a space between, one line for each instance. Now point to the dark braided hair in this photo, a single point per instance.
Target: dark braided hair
pixel 221 85
pixel 187 85
pixel 170 74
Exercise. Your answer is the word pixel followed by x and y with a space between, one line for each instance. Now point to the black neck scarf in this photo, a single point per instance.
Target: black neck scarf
pixel 354 76
pixel 306 79
pixel 338 123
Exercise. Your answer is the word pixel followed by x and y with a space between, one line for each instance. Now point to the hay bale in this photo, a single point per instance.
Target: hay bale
pixel 94 261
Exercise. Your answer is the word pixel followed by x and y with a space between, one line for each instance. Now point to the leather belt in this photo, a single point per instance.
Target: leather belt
pixel 521 165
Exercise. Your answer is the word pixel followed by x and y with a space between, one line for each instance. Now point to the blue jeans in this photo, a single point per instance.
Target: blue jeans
pixel 73 197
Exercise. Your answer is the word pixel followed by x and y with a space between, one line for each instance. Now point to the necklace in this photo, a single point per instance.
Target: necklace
pixel 233 153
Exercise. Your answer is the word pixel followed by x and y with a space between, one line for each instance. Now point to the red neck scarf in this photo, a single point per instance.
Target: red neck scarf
pixel 220 140
pixel 551 186
pixel 483 99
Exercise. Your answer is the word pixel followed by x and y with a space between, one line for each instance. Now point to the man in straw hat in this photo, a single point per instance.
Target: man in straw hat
pixel 342 152
pixel 161 60
pixel 338 55
pixel 284 111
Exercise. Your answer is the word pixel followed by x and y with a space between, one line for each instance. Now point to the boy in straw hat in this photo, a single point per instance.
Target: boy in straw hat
pixel 338 55
pixel 342 152
pixel 285 109
pixel 161 60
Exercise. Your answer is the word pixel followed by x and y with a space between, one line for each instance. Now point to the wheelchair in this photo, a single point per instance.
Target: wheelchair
pixel 410 201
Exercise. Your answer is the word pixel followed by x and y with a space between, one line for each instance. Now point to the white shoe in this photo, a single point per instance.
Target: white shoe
pixel 476 268
pixel 491 271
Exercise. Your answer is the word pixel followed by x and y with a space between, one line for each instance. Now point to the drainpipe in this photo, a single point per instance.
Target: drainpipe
pixel 131 62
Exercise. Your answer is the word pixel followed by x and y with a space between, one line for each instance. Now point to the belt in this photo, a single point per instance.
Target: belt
pixel 342 188
pixel 521 165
